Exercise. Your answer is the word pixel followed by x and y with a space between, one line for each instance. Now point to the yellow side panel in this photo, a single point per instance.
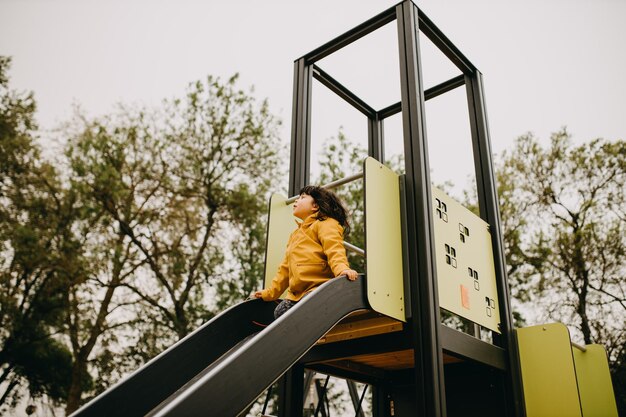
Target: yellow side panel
pixel 383 240
pixel 548 374
pixel 466 276
pixel 281 223
pixel 594 382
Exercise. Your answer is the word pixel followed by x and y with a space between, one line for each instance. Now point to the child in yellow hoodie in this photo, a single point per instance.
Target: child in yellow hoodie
pixel 315 252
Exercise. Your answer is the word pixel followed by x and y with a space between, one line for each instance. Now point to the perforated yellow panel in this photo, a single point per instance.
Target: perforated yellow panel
pixel 548 374
pixel 383 240
pixel 594 382
pixel 466 276
pixel 281 223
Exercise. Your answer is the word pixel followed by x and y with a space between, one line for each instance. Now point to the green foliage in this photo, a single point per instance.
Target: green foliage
pixel 564 211
pixel 46 364
pixel 175 197
pixel 37 256
pixel 154 221
pixel 16 127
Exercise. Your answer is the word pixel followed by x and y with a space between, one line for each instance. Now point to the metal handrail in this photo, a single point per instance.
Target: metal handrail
pixel 579 347
pixel 354 249
pixel 333 184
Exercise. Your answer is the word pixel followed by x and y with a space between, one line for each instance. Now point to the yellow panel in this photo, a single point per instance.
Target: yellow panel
pixel 466 276
pixel 383 240
pixel 548 375
pixel 594 382
pixel 281 222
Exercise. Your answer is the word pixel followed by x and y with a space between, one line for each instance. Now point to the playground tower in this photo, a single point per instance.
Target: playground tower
pixel 483 376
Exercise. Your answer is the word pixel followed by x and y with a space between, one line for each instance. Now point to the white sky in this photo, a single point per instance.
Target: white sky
pixel 546 63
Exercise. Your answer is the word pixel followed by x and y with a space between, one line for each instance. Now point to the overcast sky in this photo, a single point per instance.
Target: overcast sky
pixel 546 63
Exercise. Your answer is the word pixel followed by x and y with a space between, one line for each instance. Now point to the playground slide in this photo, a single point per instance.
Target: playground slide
pixel 147 387
pixel 222 367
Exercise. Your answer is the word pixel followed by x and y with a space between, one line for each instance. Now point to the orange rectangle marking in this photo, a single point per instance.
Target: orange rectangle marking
pixel 465 298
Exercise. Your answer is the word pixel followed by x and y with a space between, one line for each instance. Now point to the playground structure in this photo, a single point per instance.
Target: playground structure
pixel 424 252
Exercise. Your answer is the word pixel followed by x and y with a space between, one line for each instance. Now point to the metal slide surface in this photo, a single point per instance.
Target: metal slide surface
pixel 164 375
pixel 233 384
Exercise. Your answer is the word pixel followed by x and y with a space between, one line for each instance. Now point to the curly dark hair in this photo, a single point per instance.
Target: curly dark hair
pixel 329 205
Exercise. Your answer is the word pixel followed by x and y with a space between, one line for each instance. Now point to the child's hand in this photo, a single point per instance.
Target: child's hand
pixel 257 294
pixel 350 273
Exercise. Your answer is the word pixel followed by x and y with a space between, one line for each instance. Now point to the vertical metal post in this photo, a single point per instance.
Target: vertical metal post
pixel 376 138
pixel 300 127
pixel 429 387
pixel 379 401
pixel 490 212
pixel 291 392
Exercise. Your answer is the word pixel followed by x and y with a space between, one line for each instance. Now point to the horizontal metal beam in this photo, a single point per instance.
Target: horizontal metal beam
pixel 352 35
pixel 432 92
pixel 460 344
pixel 441 41
pixel 579 347
pixel 333 184
pixel 444 87
pixel 390 110
pixel 370 379
pixel 352 370
pixel 343 92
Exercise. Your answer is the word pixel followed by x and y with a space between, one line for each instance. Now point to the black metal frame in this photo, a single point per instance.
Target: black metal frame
pixel 428 338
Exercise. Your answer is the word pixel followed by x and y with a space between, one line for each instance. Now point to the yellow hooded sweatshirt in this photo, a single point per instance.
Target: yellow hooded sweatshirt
pixel 315 253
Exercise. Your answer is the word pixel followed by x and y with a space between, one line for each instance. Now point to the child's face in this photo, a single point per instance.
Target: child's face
pixel 304 206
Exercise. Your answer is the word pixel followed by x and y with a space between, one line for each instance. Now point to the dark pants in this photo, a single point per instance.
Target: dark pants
pixel 282 307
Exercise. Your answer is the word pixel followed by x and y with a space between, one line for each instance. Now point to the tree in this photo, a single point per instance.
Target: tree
pixel 564 213
pixel 122 248
pixel 99 309
pixel 38 255
pixel 180 195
